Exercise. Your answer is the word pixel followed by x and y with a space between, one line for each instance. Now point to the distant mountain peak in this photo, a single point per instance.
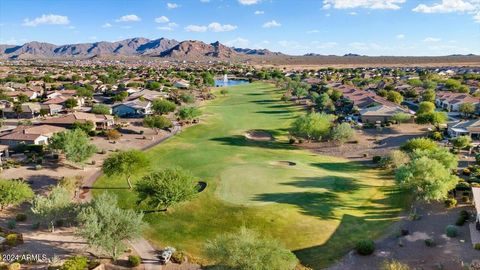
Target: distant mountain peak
pixel 137 46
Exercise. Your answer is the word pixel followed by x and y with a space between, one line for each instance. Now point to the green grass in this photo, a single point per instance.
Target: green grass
pixel 318 208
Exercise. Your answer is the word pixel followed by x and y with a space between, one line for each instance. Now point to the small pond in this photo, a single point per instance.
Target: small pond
pixel 222 83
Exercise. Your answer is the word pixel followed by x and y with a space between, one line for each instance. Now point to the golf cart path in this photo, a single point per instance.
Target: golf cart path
pixel 143 248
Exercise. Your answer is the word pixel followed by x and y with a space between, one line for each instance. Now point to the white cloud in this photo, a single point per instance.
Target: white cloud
pixel 370 4
pixel 106 25
pixel 238 42
pixel 92 38
pixel 217 27
pixel 172 5
pixel 128 18
pixel 271 24
pixel 205 1
pixel 431 39
pixel 196 28
pixel 450 6
pixel 249 2
pixel 214 27
pixel 70 27
pixel 314 31
pixel 259 12
pixel 47 19
pixel 447 6
pixel 400 36
pixel 353 13
pixel 477 17
pixel 162 19
pixel 168 27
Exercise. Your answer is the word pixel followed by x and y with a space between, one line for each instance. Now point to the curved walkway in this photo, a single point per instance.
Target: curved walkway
pixel 141 246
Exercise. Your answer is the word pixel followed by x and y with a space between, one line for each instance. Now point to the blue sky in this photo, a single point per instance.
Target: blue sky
pixel 371 27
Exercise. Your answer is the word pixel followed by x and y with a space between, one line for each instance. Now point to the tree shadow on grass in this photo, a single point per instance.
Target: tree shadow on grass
pixel 331 183
pixel 350 230
pixel 264 101
pixel 339 166
pixel 238 140
pixel 376 217
pixel 319 204
pixel 274 112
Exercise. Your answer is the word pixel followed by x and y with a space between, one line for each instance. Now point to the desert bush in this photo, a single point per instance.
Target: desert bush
pixel 11 224
pixel 365 247
pixel 178 257
pixel 21 217
pixel 376 159
pixel 451 231
pixel 437 136
pixel 134 260
pixel 462 218
pixel 75 263
pixel 394 265
pixel 113 134
pixel 429 242
pixel 12 239
pixel 450 202
pixel 14 266
pixel 462 186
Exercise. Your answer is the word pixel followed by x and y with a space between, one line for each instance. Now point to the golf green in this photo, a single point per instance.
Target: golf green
pixel 318 206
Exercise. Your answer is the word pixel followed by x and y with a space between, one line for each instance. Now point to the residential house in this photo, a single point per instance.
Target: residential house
pixel 23 111
pixel 67 121
pixel 29 135
pixel 182 84
pixel 133 108
pixel 451 101
pixel 148 95
pixel 381 113
pixel 460 128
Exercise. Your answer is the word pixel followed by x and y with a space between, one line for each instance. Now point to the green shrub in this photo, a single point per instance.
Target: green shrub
pixel 365 247
pixel 477 246
pixel 462 218
pixel 21 217
pixel 437 136
pixel 394 265
pixel 466 172
pixel 450 202
pixel 178 257
pixel 429 242
pixel 11 239
pixel 75 263
pixel 38 167
pixel 134 260
pixel 376 159
pixel 14 266
pixel 11 224
pixel 451 231
pixel 465 199
pixel 462 186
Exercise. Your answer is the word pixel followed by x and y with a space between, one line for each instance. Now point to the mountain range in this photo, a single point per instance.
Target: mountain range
pixel 162 47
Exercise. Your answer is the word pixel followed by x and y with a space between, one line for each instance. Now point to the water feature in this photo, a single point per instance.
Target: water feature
pixel 226 82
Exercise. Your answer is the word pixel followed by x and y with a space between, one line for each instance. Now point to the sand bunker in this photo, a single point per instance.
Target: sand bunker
pixel 284 163
pixel 259 135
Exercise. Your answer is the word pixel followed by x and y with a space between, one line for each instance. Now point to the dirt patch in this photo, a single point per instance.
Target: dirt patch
pixel 284 163
pixel 259 135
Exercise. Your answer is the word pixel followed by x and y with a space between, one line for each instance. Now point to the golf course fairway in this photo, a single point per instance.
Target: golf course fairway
pixel 318 206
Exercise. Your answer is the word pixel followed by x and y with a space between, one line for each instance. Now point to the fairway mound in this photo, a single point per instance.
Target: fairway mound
pixel 284 163
pixel 259 135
